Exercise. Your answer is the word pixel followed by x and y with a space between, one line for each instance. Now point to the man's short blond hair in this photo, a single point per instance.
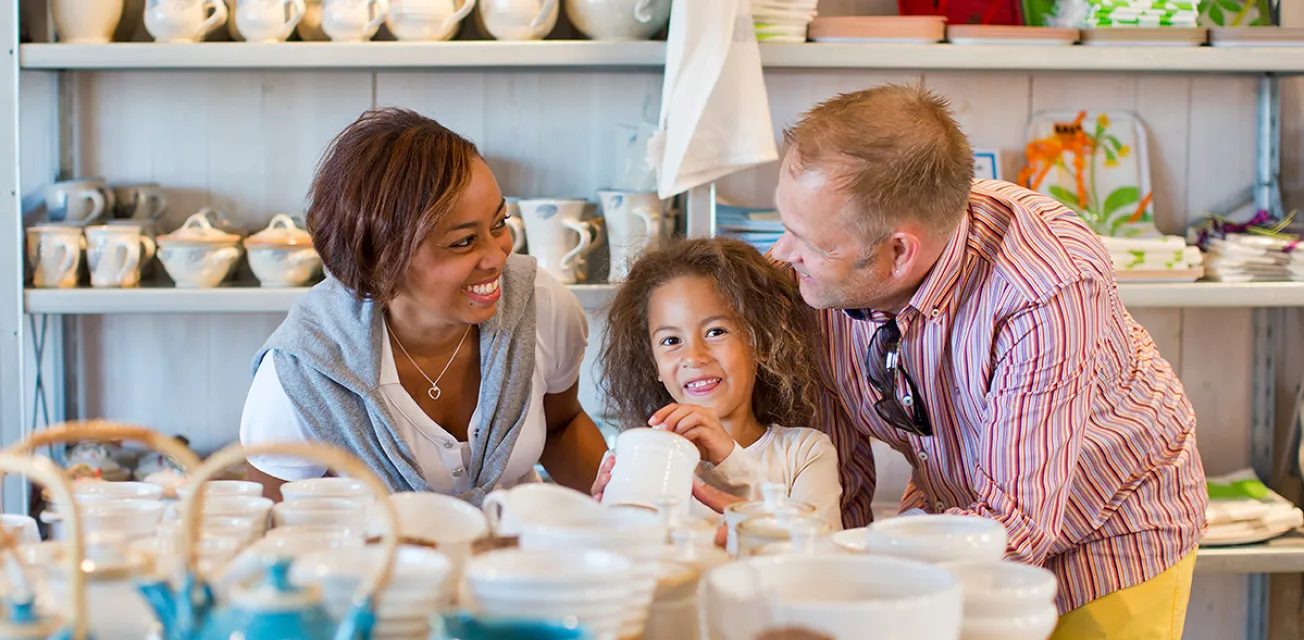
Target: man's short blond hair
pixel 896 151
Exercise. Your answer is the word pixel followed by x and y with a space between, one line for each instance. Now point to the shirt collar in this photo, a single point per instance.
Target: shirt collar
pixel 932 298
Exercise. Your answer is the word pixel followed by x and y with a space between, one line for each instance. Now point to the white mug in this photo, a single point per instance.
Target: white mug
pixel 509 511
pixel 634 225
pixel 143 201
pixel 651 464
pixel 86 21
pixel 115 253
pixel 559 239
pixel 268 20
pixel 55 253
pixel 183 20
pixel 352 20
pixel 514 224
pixel 518 19
pixel 426 20
pixel 79 201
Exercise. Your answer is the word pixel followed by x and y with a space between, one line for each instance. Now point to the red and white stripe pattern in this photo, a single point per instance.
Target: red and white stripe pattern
pixel 1052 410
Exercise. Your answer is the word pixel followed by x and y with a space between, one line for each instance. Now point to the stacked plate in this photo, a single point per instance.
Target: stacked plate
pixel 760 228
pixel 1003 34
pixel 590 586
pixel 1143 13
pixel 880 29
pixel 1242 510
pixel 1166 259
pixel 1145 36
pixel 1252 258
pixel 418 588
pixel 782 20
pixel 1256 36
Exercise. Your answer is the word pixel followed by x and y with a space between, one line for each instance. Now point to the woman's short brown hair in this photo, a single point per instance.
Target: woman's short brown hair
pixel 381 187
pixel 767 306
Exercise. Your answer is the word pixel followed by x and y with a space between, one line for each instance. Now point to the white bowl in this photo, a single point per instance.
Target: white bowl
pixel 433 518
pixel 293 530
pixel 418 585
pixel 931 538
pixel 98 491
pixel 326 488
pixel 346 512
pixel 838 595
pixel 222 488
pixel 284 266
pixel 1004 588
pixel 594 586
pixel 539 568
pixel 131 517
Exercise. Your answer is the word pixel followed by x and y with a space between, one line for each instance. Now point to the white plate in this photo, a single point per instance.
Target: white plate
pixel 876 40
pixel 1050 42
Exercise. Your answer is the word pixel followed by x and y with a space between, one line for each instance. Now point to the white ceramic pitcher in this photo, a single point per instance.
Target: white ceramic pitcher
pixel 54 252
pixel 268 20
pixel 426 20
pixel 183 20
pixel 114 254
pixel 559 239
pixel 518 19
pixel 635 222
pixel 618 19
pixel 352 20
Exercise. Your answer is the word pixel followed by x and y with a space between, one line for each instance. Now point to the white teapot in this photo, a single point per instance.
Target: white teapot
pixel 518 19
pixel 198 255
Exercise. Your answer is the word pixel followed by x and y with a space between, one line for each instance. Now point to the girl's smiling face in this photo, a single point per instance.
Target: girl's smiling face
pixel 703 356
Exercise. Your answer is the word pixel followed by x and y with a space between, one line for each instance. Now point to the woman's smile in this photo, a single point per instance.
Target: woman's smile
pixel 484 292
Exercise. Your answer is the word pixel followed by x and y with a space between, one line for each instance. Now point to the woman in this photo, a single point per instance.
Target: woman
pixel 430 352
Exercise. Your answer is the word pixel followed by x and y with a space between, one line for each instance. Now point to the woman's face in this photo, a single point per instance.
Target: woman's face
pixel 455 273
pixel 702 355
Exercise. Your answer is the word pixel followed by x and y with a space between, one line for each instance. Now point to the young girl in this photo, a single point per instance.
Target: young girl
pixel 707 339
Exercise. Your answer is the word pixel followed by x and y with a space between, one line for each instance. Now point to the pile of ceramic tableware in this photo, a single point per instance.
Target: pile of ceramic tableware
pixel 1243 257
pixel 782 20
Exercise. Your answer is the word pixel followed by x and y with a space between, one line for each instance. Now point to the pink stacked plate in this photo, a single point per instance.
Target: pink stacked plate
pixel 882 29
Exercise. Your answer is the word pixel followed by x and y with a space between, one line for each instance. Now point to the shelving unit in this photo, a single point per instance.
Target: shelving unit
pixel 250 298
pixel 582 54
pixel 17 304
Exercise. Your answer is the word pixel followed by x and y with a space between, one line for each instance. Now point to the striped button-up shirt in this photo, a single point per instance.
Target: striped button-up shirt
pixel 1052 410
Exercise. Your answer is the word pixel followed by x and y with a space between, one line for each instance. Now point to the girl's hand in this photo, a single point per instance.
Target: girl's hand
pixel 604 476
pixel 700 425
pixel 714 498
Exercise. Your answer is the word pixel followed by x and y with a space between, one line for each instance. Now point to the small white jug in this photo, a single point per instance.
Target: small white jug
pixel 55 253
pixel 558 237
pixel 352 20
pixel 518 19
pixel 86 21
pixel 115 253
pixel 634 225
pixel 268 20
pixel 426 20
pixel 183 20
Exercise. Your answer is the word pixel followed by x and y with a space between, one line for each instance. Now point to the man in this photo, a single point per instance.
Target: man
pixel 975 326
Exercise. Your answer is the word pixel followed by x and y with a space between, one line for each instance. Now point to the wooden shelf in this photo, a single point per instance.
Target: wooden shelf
pixel 583 53
pixel 227 299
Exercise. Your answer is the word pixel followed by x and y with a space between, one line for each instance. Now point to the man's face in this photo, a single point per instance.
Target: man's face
pixel 840 267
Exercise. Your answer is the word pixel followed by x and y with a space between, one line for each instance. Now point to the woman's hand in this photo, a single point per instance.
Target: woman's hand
pixel 604 477
pixel 700 425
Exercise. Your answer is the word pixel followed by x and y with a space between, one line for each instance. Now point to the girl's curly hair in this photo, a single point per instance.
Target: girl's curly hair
pixel 767 304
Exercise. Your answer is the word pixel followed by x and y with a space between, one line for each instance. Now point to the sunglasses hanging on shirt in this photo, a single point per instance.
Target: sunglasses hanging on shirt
pixel 883 362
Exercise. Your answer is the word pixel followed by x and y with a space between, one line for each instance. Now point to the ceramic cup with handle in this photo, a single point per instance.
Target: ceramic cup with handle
pixel 508 511
pixel 139 201
pixel 54 251
pixel 634 225
pixel 650 464
pixel 426 20
pixel 559 239
pixel 86 21
pixel 80 201
pixel 268 20
pixel 618 19
pixel 352 20
pixel 514 224
pixel 114 254
pixel 183 20
pixel 518 19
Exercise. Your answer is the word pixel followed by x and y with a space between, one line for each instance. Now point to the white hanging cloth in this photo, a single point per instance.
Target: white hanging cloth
pixel 715 115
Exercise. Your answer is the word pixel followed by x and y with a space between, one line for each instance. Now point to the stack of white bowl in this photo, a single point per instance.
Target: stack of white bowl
pixel 592 588
pixel 1006 600
pixel 637 534
pixel 418 588
pixel 782 20
pixel 835 595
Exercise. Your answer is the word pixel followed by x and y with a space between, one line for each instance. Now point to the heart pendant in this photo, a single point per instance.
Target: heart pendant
pixel 434 393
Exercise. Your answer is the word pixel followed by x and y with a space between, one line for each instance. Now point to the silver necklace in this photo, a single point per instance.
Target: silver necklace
pixel 433 391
